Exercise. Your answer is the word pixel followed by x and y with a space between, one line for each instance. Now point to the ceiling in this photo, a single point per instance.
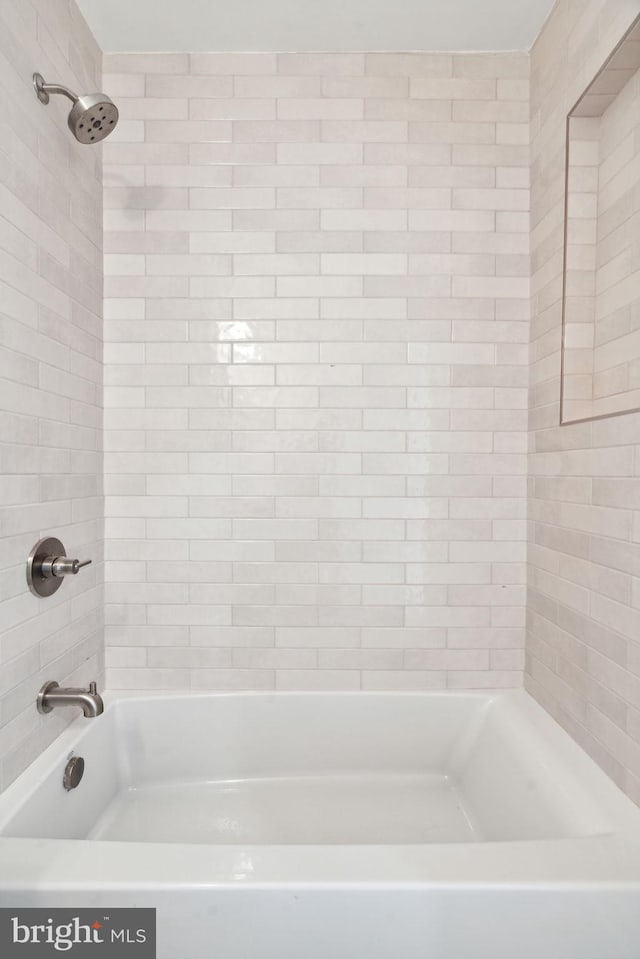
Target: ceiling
pixel 301 25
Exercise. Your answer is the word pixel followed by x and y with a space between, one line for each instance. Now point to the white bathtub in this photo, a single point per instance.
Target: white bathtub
pixel 333 826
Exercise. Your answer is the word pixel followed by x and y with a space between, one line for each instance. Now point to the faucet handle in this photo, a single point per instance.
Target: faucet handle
pixel 63 566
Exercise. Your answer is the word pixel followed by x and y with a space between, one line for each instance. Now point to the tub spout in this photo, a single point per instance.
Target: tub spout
pixel 52 695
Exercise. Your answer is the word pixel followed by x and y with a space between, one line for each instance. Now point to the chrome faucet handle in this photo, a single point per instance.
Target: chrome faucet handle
pixel 48 564
pixel 63 566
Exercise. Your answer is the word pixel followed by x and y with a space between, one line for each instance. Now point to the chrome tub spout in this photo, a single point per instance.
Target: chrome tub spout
pixel 52 695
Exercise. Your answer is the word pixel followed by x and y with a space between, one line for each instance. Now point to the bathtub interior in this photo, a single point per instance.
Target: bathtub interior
pixel 260 769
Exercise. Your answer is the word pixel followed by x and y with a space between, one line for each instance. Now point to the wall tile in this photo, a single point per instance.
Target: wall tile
pixel 581 542
pixel 316 371
pixel 51 368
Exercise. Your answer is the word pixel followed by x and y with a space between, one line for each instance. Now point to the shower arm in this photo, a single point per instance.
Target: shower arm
pixel 44 89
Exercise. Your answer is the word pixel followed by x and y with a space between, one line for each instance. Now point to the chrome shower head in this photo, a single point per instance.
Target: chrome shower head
pixel 92 117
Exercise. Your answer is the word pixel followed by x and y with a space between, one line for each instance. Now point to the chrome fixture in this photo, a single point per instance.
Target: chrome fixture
pixel 73 773
pixel 93 115
pixel 52 694
pixel 47 566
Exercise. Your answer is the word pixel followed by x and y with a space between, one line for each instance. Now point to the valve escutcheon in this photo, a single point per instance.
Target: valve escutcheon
pixel 47 566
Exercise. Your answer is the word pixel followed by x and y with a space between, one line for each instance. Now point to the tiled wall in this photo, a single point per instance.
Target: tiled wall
pixel 584 554
pixel 316 367
pixel 50 364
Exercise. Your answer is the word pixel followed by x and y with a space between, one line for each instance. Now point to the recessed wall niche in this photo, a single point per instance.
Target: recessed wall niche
pixel 601 296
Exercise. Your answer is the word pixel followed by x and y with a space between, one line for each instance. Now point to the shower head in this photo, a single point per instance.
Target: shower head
pixel 92 117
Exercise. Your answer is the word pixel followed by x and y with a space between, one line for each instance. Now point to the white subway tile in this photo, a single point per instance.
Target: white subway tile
pixel 322 108
pixel 141 63
pixel 275 131
pixel 187 131
pixel 363 131
pixel 277 86
pixel 186 86
pixel 232 109
pixel 409 64
pixel 233 63
pixel 315 370
pixel 365 87
pixel 321 64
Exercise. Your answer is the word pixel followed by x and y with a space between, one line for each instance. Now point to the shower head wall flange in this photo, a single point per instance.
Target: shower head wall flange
pixel 93 115
pixel 44 89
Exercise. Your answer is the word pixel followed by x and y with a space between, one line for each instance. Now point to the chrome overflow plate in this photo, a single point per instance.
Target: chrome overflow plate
pixel 73 773
pixel 47 566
